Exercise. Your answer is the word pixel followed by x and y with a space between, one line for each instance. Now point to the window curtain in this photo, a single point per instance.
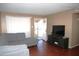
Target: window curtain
pixel 16 24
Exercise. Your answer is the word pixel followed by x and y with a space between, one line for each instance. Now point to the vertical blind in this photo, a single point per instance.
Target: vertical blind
pixel 19 25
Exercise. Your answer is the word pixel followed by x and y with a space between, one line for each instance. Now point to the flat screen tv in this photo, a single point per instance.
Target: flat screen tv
pixel 58 30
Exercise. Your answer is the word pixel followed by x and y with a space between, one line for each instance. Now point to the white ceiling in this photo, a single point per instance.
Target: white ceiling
pixel 37 8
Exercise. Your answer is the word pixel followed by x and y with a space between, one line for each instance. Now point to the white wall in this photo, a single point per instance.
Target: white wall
pixel 0 21
pixel 75 30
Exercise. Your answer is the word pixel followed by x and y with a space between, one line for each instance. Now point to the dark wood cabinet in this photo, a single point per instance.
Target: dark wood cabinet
pixel 60 41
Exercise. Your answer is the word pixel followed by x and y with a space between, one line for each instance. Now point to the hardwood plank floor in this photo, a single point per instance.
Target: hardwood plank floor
pixel 45 49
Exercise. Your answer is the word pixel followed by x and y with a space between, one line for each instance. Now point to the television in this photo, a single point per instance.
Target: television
pixel 58 30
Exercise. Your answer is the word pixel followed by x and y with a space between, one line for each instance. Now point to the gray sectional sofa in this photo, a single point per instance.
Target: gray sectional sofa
pixel 16 38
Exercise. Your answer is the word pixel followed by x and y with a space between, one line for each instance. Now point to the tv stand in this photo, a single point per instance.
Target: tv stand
pixel 60 41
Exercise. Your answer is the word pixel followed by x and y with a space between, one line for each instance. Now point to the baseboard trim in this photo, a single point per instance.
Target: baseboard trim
pixel 74 46
pixel 32 46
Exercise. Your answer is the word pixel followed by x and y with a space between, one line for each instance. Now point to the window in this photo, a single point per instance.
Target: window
pixel 19 25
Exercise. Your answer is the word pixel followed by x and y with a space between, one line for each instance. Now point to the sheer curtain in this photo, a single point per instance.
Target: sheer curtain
pixel 40 27
pixel 19 25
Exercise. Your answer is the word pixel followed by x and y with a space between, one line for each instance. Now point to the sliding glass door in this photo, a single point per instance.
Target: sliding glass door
pixel 40 26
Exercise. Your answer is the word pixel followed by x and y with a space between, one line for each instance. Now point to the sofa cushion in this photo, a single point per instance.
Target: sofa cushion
pixel 20 36
pixel 3 41
pixel 13 38
pixel 10 36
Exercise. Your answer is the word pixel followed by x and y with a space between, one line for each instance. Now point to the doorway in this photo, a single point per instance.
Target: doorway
pixel 40 27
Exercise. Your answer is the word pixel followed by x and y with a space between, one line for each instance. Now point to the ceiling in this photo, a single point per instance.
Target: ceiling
pixel 37 8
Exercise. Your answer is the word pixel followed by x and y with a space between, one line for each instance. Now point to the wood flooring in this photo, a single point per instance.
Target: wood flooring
pixel 45 49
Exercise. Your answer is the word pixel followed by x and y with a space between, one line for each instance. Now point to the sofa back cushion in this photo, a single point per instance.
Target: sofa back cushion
pixel 20 36
pixel 3 41
pixel 12 38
